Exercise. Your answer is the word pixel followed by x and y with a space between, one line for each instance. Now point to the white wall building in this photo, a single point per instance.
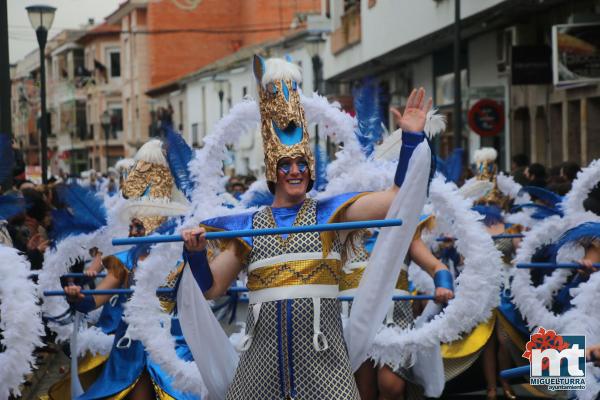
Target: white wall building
pixel 408 43
pixel 209 93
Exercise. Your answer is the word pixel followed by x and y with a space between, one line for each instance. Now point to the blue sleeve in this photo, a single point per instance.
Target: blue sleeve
pixel 85 305
pixel 410 141
pixel 198 263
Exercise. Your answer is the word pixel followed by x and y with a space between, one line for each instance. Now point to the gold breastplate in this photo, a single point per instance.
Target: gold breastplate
pixel 275 262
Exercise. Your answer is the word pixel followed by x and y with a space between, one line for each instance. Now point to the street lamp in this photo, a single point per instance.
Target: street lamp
pixel 220 88
pixel 41 18
pixel 105 121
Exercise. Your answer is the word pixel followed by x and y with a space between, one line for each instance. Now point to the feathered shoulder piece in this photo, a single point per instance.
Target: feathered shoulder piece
pixel 84 212
pixel 179 154
pixel 367 105
pixel 11 205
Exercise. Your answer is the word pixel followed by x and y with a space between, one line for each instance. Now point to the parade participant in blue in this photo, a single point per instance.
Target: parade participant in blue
pixel 152 199
pixel 489 339
pixel 294 345
pixel 386 382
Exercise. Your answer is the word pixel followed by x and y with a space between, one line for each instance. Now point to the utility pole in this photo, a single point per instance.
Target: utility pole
pixel 457 84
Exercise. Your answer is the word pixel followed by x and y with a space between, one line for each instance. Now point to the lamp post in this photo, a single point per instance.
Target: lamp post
pixel 220 88
pixel 41 18
pixel 105 121
pixel 5 112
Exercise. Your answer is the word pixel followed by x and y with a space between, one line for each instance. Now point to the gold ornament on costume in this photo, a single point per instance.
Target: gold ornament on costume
pixel 144 175
pixel 283 125
pixel 485 158
pixel 151 223
pixel 149 188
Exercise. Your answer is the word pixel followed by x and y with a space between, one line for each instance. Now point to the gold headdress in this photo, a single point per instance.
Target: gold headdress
pixel 485 159
pixel 151 190
pixel 283 125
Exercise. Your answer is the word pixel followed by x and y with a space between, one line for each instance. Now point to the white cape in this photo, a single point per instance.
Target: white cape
pixel 213 352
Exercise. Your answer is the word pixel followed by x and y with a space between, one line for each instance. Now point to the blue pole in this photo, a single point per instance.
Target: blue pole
pixel 233 289
pixel 395 298
pixel 106 292
pixel 495 237
pixel 542 265
pixel 515 372
pixel 82 275
pixel 337 226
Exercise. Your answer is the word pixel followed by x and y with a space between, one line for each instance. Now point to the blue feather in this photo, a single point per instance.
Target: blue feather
pixel 321 166
pixel 541 211
pixel 6 157
pixel 179 155
pixel 367 104
pixel 492 215
pixel 454 165
pixel 11 205
pixel 587 230
pixel 83 204
pixel 65 224
pixel 548 197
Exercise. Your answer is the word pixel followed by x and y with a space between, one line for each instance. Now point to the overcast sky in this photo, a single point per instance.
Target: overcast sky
pixel 69 14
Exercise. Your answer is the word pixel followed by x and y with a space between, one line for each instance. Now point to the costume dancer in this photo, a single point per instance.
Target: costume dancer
pixel 128 371
pixel 294 345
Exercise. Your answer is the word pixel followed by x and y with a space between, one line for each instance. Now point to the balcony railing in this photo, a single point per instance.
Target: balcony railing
pixel 349 33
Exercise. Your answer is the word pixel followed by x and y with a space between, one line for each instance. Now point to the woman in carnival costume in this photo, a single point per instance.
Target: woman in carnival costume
pixel 152 199
pixel 461 354
pixel 86 218
pixel 568 302
pixel 294 345
pixel 386 381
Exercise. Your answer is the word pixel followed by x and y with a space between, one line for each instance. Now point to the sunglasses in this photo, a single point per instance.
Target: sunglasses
pixel 286 167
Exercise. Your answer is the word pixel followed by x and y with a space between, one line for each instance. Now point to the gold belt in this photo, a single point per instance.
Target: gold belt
pixel 352 279
pixel 295 273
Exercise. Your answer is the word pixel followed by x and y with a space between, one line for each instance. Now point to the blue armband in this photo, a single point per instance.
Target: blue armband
pixel 85 305
pixel 410 141
pixel 200 269
pixel 443 279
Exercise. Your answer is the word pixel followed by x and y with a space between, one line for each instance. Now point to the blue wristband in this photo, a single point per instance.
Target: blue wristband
pixel 410 141
pixel 85 305
pixel 200 269
pixel 443 279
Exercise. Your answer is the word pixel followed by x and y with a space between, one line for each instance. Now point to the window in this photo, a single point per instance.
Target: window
pixel 126 56
pixel 244 91
pixel 116 119
pixel 80 119
pixel 114 62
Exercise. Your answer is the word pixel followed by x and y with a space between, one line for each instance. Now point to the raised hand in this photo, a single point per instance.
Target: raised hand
pixel 415 112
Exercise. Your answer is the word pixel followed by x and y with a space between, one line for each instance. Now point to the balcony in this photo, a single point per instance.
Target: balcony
pixel 349 33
